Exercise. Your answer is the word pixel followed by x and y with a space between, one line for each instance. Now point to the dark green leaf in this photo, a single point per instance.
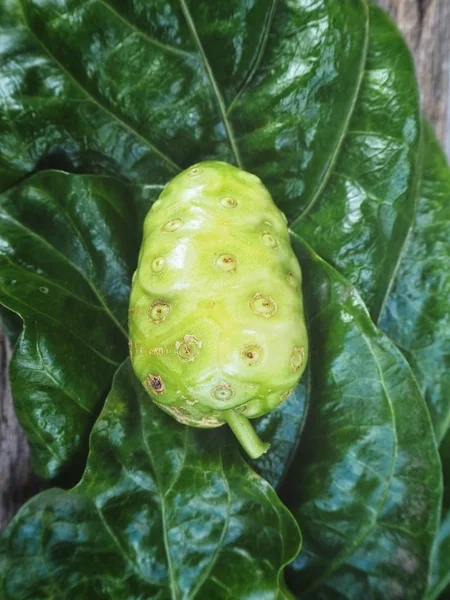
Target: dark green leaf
pixel 416 317
pixel 112 60
pixel 85 87
pixel 282 428
pixel 163 511
pixel 416 314
pixel 440 559
pixel 141 89
pixel 360 221
pixel 248 84
pixel 68 246
pixel 367 478
pixel 292 116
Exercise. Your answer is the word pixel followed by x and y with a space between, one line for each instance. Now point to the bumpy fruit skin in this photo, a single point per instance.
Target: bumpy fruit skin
pixel 217 330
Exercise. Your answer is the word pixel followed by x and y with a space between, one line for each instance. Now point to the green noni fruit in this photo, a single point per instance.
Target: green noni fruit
pixel 217 330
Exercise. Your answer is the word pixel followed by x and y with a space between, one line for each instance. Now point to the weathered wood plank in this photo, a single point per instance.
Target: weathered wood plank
pixel 426 26
pixel 17 482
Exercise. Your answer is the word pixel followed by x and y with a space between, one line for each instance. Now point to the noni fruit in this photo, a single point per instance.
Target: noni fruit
pixel 217 330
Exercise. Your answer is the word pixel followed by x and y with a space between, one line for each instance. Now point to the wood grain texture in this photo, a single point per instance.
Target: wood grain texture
pixel 17 482
pixel 426 26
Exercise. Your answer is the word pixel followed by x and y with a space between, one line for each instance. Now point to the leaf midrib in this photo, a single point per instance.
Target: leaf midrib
pixel 257 61
pixel 358 540
pixel 62 326
pixel 103 306
pixel 419 166
pixel 172 582
pixel 59 385
pixel 119 546
pixel 171 164
pixel 345 126
pixel 215 88
pixel 32 275
pixel 165 47
pixel 372 523
pixel 215 555
pixel 31 425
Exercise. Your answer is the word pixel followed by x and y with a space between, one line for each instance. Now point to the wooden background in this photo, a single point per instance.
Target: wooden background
pixel 426 26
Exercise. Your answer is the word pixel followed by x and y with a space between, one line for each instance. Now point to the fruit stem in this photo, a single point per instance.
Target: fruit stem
pixel 243 430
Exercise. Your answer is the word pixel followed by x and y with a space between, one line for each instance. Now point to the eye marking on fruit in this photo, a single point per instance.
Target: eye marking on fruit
pixel 228 202
pixel 297 358
pixel 182 415
pixel 195 171
pixel 252 354
pixel 189 348
pixel 158 312
pixel 269 240
pixel 286 395
pixel 291 280
pixel 172 225
pixel 241 409
pixel 211 422
pixel 159 351
pixel 134 311
pixel 158 264
pixel 227 263
pixel 155 383
pixel 263 305
pixel 223 392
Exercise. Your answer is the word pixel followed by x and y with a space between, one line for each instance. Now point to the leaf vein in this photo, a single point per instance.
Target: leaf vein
pixel 142 33
pixel 174 166
pixel 216 92
pixel 345 127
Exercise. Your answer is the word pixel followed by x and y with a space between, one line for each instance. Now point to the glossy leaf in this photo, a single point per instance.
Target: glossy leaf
pixel 283 427
pixel 416 314
pixel 291 118
pixel 68 246
pixel 256 83
pixel 283 89
pixel 367 480
pixel 85 87
pixel 416 318
pixel 439 584
pixel 162 511
pixel 360 221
